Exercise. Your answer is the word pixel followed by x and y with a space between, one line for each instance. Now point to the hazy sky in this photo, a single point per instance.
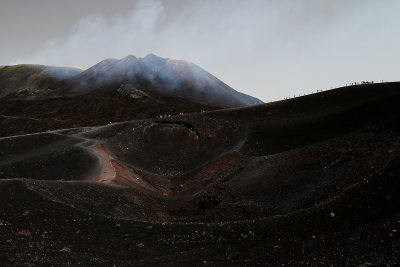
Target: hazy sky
pixel 268 49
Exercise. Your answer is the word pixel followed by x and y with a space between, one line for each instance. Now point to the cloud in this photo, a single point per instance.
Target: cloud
pixel 96 37
pixel 269 49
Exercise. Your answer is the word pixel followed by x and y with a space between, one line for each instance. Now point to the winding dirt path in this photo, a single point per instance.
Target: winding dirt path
pixel 107 171
pixel 112 171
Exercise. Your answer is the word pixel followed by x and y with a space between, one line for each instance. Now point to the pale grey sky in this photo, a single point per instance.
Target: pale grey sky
pixel 270 49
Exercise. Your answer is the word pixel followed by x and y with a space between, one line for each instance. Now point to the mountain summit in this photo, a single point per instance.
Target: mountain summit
pixel 158 76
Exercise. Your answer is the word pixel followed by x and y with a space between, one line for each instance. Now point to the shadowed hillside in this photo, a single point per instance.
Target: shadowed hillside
pixel 32 81
pixel 30 116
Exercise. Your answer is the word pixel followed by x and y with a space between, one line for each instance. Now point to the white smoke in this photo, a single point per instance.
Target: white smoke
pixel 268 49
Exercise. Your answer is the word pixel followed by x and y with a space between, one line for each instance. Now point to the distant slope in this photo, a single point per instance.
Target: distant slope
pixel 32 81
pixel 29 116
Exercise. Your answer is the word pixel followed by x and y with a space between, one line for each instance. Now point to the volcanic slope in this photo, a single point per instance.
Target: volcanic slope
pixel 33 81
pixel 310 180
pixel 29 116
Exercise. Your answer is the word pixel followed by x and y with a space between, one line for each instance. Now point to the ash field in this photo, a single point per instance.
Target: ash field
pixel 151 161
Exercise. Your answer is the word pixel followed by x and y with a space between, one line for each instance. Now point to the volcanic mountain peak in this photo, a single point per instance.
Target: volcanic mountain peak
pixel 153 60
pixel 161 76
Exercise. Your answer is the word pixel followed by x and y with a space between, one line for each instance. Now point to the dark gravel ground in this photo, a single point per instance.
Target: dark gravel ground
pixel 363 232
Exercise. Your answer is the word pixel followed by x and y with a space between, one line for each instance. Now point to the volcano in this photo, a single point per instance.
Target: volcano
pixel 119 165
pixel 161 77
pixel 150 76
